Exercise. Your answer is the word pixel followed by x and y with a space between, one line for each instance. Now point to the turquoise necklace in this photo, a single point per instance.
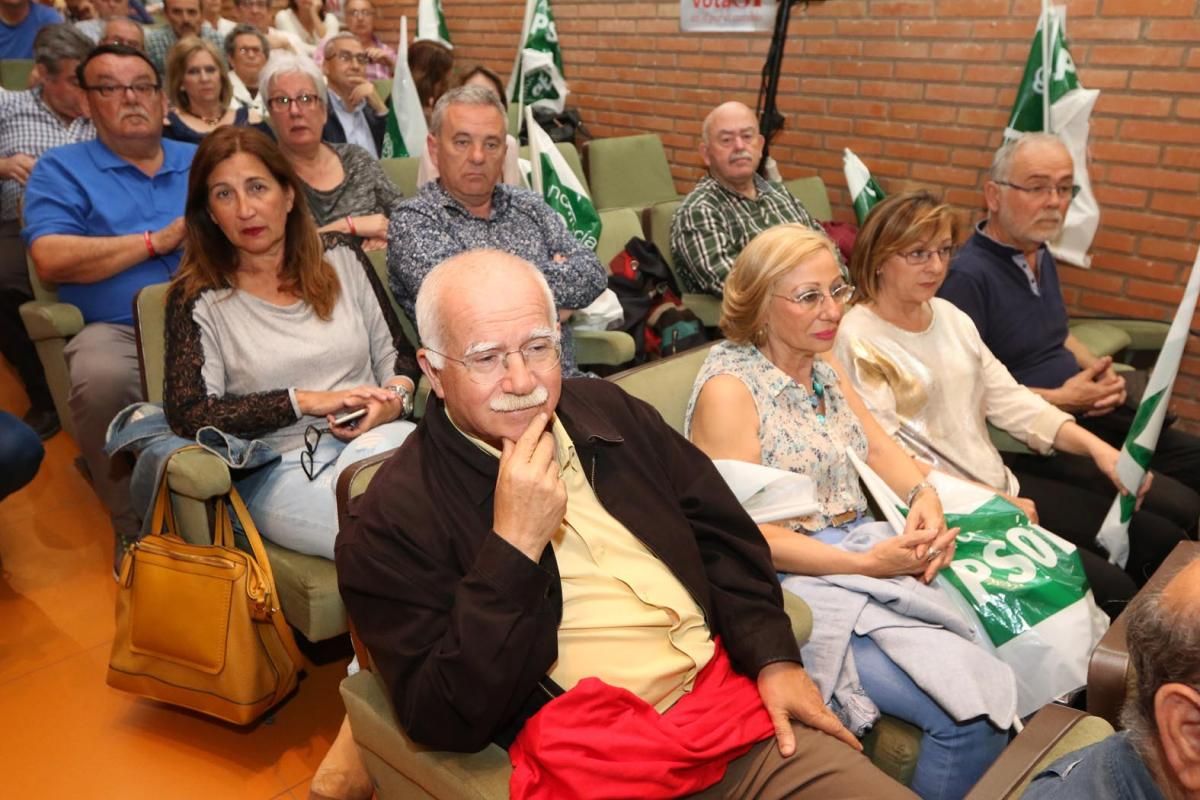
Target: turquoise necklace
pixel 818 392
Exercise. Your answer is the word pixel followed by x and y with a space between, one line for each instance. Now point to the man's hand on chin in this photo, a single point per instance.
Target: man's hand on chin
pixel 788 693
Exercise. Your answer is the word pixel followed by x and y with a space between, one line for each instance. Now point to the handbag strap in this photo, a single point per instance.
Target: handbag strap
pixel 225 530
pixel 162 518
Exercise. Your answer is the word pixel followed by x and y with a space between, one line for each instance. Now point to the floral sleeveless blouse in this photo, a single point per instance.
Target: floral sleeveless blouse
pixel 790 434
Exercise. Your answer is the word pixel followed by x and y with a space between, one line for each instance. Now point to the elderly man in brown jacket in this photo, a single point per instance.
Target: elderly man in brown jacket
pixel 545 551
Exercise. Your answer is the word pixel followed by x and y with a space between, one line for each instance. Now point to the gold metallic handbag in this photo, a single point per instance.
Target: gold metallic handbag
pixel 199 626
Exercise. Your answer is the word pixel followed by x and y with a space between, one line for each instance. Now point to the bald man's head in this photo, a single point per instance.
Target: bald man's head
pixel 731 145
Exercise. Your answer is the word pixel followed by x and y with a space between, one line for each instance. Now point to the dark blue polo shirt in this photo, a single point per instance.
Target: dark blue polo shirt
pixel 1022 322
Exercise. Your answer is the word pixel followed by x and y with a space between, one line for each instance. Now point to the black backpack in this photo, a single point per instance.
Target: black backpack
pixel 654 315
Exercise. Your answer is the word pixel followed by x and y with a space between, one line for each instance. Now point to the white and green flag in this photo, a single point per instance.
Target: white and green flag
pixel 557 183
pixel 431 23
pixel 1064 109
pixel 1142 438
pixel 537 75
pixel 864 191
pixel 406 130
pixel 1019 584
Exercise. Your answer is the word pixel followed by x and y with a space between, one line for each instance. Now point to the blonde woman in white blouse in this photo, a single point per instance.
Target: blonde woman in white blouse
pixel 920 365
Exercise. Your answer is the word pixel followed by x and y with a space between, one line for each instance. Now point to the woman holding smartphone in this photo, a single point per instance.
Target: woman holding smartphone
pixel 276 334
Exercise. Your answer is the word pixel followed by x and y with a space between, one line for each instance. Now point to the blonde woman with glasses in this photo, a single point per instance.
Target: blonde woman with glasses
pixel 771 394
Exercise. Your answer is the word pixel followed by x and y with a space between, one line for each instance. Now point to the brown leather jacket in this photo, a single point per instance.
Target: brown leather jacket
pixel 463 628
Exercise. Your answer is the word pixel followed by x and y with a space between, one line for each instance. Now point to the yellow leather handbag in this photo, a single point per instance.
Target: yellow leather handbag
pixel 199 626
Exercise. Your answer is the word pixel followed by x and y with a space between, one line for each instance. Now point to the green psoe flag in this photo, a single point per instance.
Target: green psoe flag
pixel 1142 438
pixel 1022 587
pixel 537 76
pixel 554 180
pixel 1052 99
pixel 431 23
pixel 864 191
pixel 406 130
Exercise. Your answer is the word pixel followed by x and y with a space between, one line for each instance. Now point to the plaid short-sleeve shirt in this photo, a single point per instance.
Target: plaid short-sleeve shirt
pixel 27 125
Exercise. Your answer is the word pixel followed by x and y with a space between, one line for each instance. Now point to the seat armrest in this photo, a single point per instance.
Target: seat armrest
pixel 1109 670
pixel 1101 338
pixel 1052 733
pixel 1144 334
pixel 198 474
pixel 800 615
pixel 400 768
pixel 610 348
pixel 1005 442
pixel 51 320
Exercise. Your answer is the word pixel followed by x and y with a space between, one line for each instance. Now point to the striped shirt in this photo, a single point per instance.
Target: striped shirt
pixel 712 226
pixel 27 125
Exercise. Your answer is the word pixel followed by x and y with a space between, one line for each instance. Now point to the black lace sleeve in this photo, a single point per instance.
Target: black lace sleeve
pixel 189 407
pixel 406 355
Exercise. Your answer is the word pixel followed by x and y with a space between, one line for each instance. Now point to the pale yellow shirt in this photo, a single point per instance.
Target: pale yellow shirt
pixel 627 619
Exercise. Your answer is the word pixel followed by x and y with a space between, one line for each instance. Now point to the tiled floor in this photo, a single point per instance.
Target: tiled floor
pixel 63 732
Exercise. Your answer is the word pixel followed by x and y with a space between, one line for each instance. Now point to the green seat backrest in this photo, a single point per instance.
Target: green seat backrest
pixel 14 73
pixel 514 120
pixel 660 229
pixel 150 322
pixel 572 158
pixel 812 193
pixel 617 227
pixel 383 88
pixel 378 259
pixel 629 172
pixel 665 384
pixel 402 172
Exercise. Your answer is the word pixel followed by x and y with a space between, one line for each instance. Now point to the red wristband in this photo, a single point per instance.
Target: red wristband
pixel 350 224
pixel 149 244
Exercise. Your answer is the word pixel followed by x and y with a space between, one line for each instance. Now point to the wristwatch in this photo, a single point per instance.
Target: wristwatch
pixel 406 401
pixel 916 490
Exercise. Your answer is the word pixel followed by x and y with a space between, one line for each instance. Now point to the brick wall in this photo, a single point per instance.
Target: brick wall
pixel 920 90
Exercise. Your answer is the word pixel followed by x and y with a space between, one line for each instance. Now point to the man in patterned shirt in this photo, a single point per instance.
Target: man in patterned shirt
pixel 468 208
pixel 31 122
pixel 731 204
pixel 183 19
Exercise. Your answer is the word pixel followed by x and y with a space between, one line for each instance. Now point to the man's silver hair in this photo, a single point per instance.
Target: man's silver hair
pixel 465 96
pixel 245 29
pixel 283 62
pixel 337 37
pixel 1003 160
pixel 1164 647
pixel 57 43
pixel 433 328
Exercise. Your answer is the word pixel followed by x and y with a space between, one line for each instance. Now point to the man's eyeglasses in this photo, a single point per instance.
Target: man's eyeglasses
pixel 487 366
pixel 312 437
pixel 345 56
pixel 253 4
pixel 249 50
pixel 1046 191
pixel 919 258
pixel 143 91
pixel 134 43
pixel 283 102
pixel 360 12
pixel 811 299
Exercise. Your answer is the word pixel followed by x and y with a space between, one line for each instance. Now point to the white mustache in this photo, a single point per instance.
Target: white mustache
pixel 741 155
pixel 519 402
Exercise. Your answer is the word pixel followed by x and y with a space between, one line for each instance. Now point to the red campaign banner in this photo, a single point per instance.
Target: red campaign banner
pixel 726 16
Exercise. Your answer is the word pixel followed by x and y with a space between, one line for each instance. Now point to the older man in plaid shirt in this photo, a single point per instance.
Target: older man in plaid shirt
pixel 31 122
pixel 731 204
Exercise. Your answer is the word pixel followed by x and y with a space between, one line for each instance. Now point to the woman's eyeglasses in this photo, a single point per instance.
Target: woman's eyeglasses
pixel 312 437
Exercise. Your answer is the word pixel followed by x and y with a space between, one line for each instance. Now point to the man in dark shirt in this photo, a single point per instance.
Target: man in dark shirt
pixel 537 538
pixel 1006 280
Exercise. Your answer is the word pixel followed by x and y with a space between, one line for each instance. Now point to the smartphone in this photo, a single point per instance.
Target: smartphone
pixel 349 416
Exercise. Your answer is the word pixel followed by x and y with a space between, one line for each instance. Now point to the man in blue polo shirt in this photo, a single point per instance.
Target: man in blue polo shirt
pixel 20 20
pixel 1006 280
pixel 103 219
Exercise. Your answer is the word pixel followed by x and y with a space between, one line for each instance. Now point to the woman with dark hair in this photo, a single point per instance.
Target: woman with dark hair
pixel 276 334
pixel 431 65
pixel 920 365
pixel 479 75
pixel 200 91
pixel 307 20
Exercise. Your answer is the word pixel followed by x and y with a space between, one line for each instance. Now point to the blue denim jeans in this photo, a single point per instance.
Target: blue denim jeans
pixel 20 454
pixel 953 754
pixel 300 514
